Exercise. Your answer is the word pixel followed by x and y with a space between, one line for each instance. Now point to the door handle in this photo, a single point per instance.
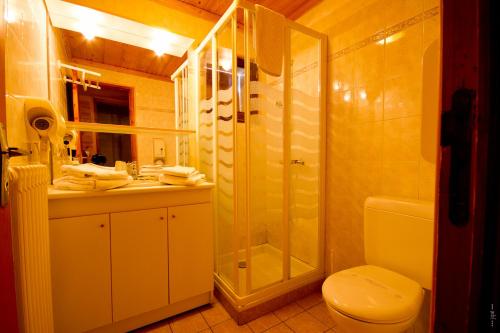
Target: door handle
pixel 456 133
pixel 5 154
pixel 15 152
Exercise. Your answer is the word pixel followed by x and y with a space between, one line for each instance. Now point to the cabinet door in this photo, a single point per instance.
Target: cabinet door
pixel 81 276
pixel 139 264
pixel 190 247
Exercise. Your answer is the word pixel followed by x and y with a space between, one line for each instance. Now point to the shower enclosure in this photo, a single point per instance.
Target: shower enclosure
pixel 261 140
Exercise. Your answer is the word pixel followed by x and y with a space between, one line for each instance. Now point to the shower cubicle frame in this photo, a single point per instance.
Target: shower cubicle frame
pixel 189 72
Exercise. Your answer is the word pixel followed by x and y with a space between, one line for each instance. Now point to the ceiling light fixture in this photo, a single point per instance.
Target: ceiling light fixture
pixel 347 96
pixel 226 63
pixel 160 41
pixel 88 33
pixel 362 94
pixel 10 15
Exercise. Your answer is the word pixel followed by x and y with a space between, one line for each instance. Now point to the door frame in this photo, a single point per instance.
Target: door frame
pixel 8 305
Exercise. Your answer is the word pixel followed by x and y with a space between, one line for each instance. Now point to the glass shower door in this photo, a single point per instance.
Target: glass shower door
pixel 305 153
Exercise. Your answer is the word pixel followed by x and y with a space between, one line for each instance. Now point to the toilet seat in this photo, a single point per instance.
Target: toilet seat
pixel 373 294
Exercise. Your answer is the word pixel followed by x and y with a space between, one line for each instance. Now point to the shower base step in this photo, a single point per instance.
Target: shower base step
pixel 243 316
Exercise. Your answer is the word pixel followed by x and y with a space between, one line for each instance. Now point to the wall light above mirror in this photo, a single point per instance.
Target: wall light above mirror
pixel 92 23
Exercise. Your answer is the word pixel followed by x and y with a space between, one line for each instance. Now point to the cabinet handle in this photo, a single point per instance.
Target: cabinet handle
pixel 102 226
pixel 161 218
pixel 173 216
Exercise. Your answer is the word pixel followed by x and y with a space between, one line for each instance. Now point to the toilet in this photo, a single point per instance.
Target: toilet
pixel 385 296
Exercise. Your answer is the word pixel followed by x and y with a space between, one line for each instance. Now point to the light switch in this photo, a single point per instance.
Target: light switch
pixel 159 148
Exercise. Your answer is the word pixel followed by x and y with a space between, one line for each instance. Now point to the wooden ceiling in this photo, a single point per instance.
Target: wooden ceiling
pixel 213 9
pixel 111 53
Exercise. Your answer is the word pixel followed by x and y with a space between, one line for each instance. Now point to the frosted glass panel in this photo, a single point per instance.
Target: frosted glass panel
pixel 225 152
pixel 304 153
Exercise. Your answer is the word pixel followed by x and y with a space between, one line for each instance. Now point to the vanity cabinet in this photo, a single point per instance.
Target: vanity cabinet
pixel 187 248
pixel 127 267
pixel 81 274
pixel 139 266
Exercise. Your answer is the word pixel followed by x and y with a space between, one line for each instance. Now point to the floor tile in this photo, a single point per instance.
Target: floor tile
pixel 191 322
pixel 288 311
pixel 310 300
pixel 214 313
pixel 320 312
pixel 281 328
pixel 305 323
pixel 263 323
pixel 230 326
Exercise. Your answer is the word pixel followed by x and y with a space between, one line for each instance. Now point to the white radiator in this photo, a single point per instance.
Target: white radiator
pixel 30 236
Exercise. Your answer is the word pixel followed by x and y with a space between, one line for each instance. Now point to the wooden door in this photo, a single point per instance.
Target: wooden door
pixel 463 302
pixel 190 248
pixel 139 255
pixel 8 308
pixel 81 272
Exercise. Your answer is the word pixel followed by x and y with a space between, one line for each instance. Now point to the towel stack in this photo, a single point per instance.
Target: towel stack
pixel 181 175
pixel 150 172
pixel 91 177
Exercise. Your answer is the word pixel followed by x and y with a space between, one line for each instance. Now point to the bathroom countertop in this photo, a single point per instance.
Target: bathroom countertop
pixel 66 194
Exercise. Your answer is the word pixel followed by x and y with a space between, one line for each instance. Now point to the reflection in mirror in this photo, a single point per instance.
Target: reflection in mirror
pixel 109 105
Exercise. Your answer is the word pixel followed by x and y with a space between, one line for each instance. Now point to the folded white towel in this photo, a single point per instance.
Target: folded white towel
pixel 179 171
pixel 149 175
pixel 189 181
pixel 88 170
pixel 151 167
pixel 89 184
pixel 269 40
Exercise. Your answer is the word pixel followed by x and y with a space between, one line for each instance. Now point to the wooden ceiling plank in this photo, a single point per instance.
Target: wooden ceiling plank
pixel 113 53
pixel 302 9
pixel 190 8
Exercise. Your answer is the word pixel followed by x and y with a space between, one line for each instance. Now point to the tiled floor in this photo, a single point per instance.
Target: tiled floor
pixel 307 315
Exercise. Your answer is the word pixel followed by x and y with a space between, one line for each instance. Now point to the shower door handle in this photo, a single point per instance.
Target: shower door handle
pixel 298 162
pixel 5 154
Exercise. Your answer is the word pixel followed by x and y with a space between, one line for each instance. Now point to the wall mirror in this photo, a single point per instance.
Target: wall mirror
pixel 119 94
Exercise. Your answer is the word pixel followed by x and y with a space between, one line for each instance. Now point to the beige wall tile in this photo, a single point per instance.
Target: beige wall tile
pixel 403 95
pixel 428 4
pixel 399 10
pixel 400 179
pixel 402 139
pixel 369 63
pixel 427 180
pixel 404 54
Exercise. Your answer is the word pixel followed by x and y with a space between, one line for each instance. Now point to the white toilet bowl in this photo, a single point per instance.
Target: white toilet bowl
pixel 371 299
pixel 386 295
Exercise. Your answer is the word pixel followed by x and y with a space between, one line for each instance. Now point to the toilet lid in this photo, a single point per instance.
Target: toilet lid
pixel 373 294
